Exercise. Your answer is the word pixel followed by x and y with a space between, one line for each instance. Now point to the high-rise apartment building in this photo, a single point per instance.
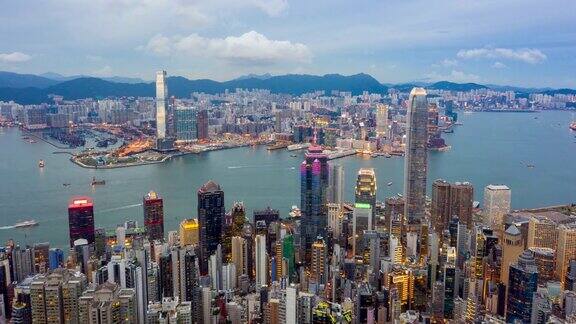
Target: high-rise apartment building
pixel 108 303
pixel 382 120
pixel 415 163
pixel 81 219
pixel 153 207
pixel 211 211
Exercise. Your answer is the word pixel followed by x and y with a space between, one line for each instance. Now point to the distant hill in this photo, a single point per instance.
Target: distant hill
pixel 451 86
pixel 117 79
pixel 255 76
pixel 181 87
pixel 16 80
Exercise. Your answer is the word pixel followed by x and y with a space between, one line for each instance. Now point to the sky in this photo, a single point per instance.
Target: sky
pixel 507 42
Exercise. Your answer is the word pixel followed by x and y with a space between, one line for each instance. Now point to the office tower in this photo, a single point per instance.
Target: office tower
pixel 523 285
pixel 450 283
pixel 99 242
pixel 215 268
pixel 153 282
pixel 402 280
pixel 154 216
pixel 382 120
pixel 496 206
pixel 565 251
pixel 81 219
pixel 202 124
pixel 189 232
pixel 291 305
pixel 336 184
pixel 415 163
pixel 54 296
pixel 41 257
pixel 21 313
pixel 239 255
pixel 364 311
pixel 313 185
pixel 544 258
pixel 318 262
pixel 392 206
pixel 247 235
pixel 288 254
pixel 366 189
pixel 22 262
pixel 161 104
pixel 185 122
pixel 440 210
pixel 261 261
pixel 211 210
pixel 108 303
pixel 542 233
pixel 82 252
pixel 335 216
pixel 267 215
pixel 512 247
pixel 56 258
pixel 570 278
pixel 361 221
pixel 166 276
pixel 461 200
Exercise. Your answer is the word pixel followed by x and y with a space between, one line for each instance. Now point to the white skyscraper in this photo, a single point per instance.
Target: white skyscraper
pixel 291 305
pixel 496 205
pixel 161 95
pixel 382 120
pixel 261 261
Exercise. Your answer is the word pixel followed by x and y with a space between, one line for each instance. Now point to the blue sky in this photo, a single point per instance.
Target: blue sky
pixel 512 42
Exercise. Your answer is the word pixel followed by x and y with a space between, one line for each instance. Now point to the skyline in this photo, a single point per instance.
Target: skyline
pixel 460 42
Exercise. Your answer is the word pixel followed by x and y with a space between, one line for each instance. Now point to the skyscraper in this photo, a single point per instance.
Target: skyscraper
pixel 153 216
pixel 461 201
pixel 189 232
pixel 313 185
pixel 81 219
pixel 336 184
pixel 523 285
pixel 161 103
pixel 366 189
pixel 496 205
pixel 382 120
pixel 202 124
pixel 211 210
pixel 415 163
pixel 318 265
pixel 440 207
pixel 261 261
pixel 512 247
pixel 566 251
pixel 185 124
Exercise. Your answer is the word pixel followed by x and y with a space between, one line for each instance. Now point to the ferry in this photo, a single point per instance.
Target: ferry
pixel 294 147
pixel 28 223
pixel 41 164
pixel 389 183
pixel 573 126
pixel 98 182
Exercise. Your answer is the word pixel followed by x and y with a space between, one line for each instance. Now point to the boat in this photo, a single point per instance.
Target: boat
pixel 400 195
pixel 449 131
pixel 389 183
pixel 294 147
pixel 41 163
pixel 388 155
pixel 530 166
pixel 293 155
pixel 458 123
pixel 28 223
pixel 98 182
pixel 65 184
pixel 573 126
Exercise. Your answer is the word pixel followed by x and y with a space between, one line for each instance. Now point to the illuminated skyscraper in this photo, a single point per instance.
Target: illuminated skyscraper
pixel 415 163
pixel 153 215
pixel 313 186
pixel 566 251
pixel 189 232
pixel 261 261
pixel 440 206
pixel 161 104
pixel 318 265
pixel 512 247
pixel 239 251
pixel 523 285
pixel 366 189
pixel 81 219
pixel 211 212
pixel 496 205
pixel 382 120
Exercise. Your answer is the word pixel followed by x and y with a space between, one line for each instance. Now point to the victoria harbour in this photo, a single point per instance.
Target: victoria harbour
pixel 487 148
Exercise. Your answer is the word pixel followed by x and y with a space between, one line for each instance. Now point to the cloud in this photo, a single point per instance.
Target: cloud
pixel 104 71
pixel 526 55
pixel 499 65
pixel 454 76
pixel 14 57
pixel 271 7
pixel 445 63
pixel 251 47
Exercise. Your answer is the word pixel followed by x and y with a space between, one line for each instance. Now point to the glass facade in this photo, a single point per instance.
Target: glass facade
pixel 81 220
pixel 154 216
pixel 523 283
pixel 211 212
pixel 185 124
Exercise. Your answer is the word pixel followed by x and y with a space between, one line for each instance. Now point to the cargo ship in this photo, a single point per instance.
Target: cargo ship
pixel 28 223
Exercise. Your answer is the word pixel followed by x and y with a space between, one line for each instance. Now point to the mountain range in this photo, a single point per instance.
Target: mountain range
pixel 34 89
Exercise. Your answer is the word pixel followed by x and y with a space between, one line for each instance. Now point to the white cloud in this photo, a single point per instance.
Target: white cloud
pixel 250 47
pixel 454 76
pixel 449 63
pixel 104 71
pixel 499 65
pixel 526 55
pixel 271 7
pixel 14 57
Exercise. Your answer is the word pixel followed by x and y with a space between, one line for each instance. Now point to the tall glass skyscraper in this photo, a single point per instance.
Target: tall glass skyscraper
pixel 313 188
pixel 161 96
pixel 153 216
pixel 523 280
pixel 366 189
pixel 185 122
pixel 81 219
pixel 415 162
pixel 211 210
pixel 382 120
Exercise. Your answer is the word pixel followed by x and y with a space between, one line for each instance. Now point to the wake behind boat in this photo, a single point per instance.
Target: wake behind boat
pixel 28 223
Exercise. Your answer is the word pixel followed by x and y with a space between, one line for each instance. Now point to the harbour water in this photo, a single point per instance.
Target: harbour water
pixel 487 148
